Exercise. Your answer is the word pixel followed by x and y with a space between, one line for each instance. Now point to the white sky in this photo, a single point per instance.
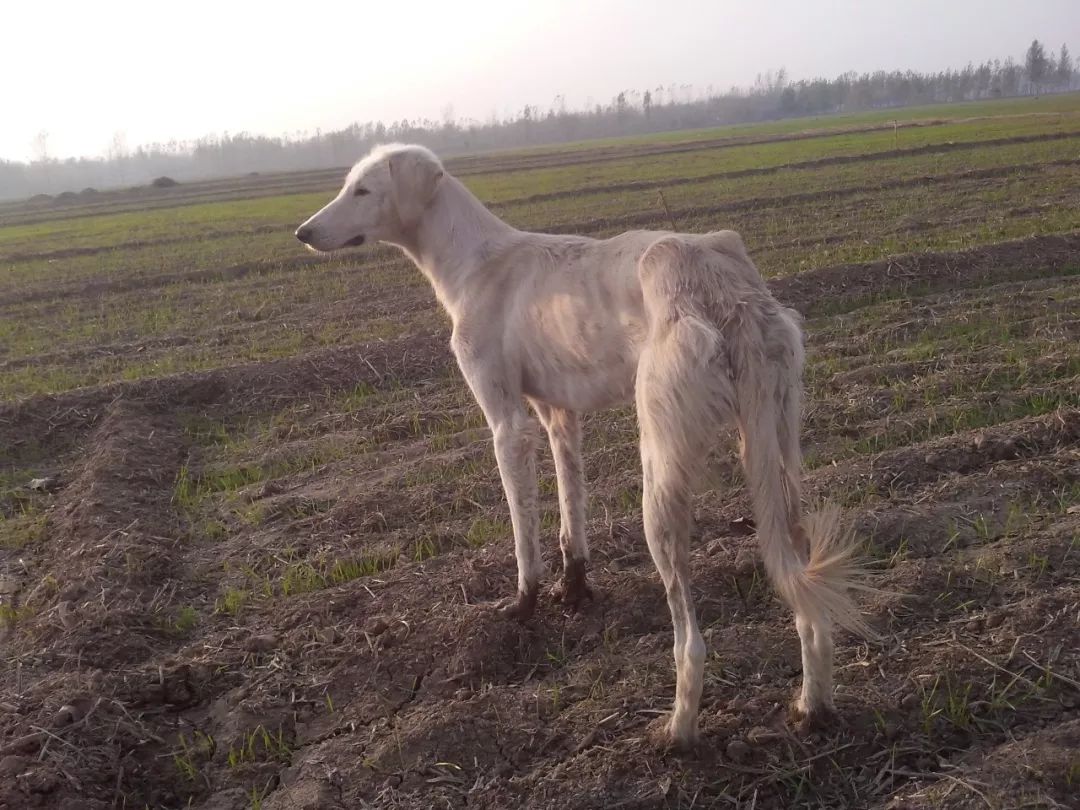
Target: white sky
pixel 83 70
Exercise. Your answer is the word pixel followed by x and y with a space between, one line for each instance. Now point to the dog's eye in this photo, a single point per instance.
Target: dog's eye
pixel 360 191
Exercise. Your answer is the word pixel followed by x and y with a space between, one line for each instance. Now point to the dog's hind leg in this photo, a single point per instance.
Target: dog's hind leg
pixel 666 510
pixel 564 432
pixel 679 426
pixel 810 558
pixel 684 395
pixel 673 450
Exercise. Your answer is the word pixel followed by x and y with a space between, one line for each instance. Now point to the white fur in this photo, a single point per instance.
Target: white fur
pixel 682 323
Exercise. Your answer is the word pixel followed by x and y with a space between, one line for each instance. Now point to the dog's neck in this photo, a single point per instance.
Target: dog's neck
pixel 455 237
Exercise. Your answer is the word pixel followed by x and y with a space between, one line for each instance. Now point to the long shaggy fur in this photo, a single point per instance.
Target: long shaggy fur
pixel 822 587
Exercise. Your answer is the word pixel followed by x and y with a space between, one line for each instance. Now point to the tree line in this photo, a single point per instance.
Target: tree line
pixel 661 108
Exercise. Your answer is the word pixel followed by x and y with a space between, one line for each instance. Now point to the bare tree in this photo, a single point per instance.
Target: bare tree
pixel 40 146
pixel 116 154
pixel 447 116
pixel 117 149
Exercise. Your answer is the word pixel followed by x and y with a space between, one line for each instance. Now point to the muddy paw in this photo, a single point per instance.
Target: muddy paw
pixel 817 718
pixel 520 607
pixel 573 594
pixel 574 590
pixel 662 734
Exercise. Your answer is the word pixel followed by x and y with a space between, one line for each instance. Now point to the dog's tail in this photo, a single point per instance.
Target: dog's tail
pixel 810 559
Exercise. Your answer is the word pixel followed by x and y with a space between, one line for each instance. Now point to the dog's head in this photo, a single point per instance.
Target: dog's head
pixel 383 198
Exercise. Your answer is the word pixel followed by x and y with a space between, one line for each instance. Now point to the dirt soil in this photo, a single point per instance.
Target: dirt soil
pixel 158 654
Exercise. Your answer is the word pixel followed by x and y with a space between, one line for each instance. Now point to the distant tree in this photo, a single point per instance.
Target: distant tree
pixel 1036 64
pixel 117 148
pixel 1064 70
pixel 621 106
pixel 40 146
pixel 983 75
pixel 116 154
pixel 447 116
pixel 526 122
pixel 788 100
pixel 1010 77
pixel 646 104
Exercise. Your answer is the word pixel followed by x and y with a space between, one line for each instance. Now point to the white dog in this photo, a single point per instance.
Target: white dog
pixel 683 323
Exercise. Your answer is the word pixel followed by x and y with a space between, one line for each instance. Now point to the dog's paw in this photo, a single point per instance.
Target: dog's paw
pixel 807 719
pixel 666 736
pixel 574 590
pixel 520 607
pixel 573 595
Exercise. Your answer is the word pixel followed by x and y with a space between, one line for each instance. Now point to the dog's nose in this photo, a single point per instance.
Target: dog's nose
pixel 303 233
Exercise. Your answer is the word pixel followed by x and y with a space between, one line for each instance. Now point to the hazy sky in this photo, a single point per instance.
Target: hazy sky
pixel 83 71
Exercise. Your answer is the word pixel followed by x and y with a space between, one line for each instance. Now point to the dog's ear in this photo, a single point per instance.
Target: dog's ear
pixel 414 177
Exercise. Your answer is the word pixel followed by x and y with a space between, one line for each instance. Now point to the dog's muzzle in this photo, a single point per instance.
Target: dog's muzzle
pixel 306 234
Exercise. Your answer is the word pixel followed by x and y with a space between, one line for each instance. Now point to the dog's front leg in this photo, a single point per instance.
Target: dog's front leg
pixel 515 437
pixel 515 432
pixel 564 433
